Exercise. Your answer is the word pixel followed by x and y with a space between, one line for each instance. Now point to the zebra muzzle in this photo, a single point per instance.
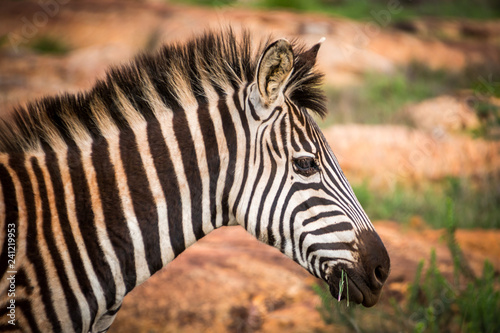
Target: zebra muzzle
pixel 364 281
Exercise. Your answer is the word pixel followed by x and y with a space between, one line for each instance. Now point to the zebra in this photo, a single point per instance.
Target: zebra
pixel 101 189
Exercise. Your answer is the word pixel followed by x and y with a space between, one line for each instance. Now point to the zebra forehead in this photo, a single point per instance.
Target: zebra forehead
pixel 224 60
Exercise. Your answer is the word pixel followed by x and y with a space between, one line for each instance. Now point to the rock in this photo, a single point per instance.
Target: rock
pixel 389 154
pixel 443 113
pixel 226 282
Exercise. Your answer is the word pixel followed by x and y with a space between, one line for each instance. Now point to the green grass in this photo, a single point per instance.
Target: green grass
pixel 478 300
pixel 476 203
pixel 344 281
pixel 49 45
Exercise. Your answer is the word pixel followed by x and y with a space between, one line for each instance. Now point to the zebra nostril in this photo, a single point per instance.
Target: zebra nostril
pixel 381 274
pixel 375 260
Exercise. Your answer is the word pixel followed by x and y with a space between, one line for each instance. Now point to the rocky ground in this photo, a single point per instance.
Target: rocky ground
pixel 228 281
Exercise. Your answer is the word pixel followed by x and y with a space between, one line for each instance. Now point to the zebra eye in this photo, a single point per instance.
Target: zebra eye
pixel 306 165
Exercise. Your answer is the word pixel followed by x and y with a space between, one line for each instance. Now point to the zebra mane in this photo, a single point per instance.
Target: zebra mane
pixel 220 59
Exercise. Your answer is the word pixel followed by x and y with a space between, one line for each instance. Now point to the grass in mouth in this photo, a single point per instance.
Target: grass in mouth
pixel 341 286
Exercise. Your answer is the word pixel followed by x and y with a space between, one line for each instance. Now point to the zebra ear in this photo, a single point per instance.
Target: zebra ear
pixel 307 59
pixel 274 69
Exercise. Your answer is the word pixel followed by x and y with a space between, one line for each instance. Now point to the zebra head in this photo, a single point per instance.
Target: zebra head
pixel 299 199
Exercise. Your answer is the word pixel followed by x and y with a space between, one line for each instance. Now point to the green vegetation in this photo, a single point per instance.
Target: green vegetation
pixel 476 203
pixel 480 9
pixel 358 10
pixel 372 9
pixel 488 113
pixel 3 40
pixel 435 305
pixel 405 9
pixel 381 97
pixel 210 3
pixel 49 45
pixel 434 302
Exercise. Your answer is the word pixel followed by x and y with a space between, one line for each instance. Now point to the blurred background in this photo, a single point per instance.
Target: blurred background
pixel 414 118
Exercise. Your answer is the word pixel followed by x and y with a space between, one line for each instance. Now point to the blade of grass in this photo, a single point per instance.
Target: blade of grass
pixel 347 288
pixel 341 285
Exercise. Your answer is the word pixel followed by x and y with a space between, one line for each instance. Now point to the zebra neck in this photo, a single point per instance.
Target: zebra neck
pixel 166 182
pixel 155 189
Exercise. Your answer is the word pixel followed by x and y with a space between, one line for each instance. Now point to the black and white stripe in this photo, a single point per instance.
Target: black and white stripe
pixel 105 188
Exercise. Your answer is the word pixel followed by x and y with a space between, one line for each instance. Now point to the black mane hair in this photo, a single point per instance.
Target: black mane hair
pixel 221 58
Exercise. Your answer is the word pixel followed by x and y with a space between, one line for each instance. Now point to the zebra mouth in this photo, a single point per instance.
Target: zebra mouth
pixel 350 290
pixel 354 288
